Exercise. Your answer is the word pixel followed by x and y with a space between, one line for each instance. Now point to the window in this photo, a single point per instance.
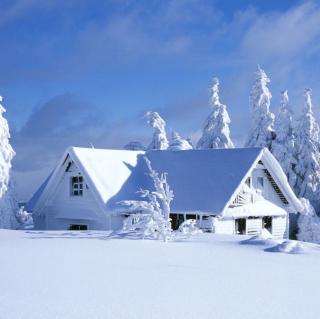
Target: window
pixel 78 227
pixel 248 181
pixel 260 181
pixel 77 186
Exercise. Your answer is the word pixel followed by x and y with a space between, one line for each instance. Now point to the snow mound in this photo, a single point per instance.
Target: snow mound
pixel 265 238
pixel 288 247
pixel 265 234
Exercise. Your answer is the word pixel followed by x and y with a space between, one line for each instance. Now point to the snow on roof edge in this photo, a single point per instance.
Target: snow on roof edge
pixel 280 178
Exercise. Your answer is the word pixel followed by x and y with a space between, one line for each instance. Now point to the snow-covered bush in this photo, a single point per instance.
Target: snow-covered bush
pixel 216 132
pixel 308 223
pixel 159 139
pixel 189 228
pixel 134 146
pixel 283 146
pixel 151 217
pixel 308 145
pixel 178 143
pixel 262 120
pixel 8 203
pixel 24 218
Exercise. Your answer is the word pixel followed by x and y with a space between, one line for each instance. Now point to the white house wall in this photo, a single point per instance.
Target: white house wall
pixel 253 226
pixel 224 226
pixel 280 227
pixel 62 209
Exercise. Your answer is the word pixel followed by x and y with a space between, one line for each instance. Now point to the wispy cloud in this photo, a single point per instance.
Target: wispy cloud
pixel 284 34
pixel 14 9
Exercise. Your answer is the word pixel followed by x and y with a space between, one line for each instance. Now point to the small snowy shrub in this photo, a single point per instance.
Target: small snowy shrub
pixel 24 218
pixel 134 146
pixel 189 228
pixel 151 218
pixel 178 143
pixel 308 224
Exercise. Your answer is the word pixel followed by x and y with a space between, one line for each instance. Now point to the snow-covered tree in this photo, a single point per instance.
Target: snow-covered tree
pixel 262 120
pixel 8 204
pixel 24 218
pixel 308 223
pixel 159 139
pixel 283 146
pixel 216 132
pixel 134 146
pixel 151 217
pixel 178 143
pixel 308 145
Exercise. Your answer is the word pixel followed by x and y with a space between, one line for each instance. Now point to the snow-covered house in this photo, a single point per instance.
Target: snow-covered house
pixel 232 191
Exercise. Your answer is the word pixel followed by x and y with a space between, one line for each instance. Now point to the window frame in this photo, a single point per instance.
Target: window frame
pixel 76 186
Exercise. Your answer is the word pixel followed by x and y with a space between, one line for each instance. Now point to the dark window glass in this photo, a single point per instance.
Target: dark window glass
pixel 77 186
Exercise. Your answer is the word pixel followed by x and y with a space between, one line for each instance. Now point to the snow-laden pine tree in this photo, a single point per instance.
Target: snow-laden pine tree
pixel 151 218
pixel 308 146
pixel 178 143
pixel 308 223
pixel 159 139
pixel 216 132
pixel 283 146
pixel 262 120
pixel 8 203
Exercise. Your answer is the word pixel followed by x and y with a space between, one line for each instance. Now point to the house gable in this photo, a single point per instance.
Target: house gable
pixel 275 190
pixel 101 176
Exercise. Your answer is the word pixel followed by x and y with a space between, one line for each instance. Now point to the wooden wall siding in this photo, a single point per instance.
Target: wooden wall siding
pixel 254 226
pixel 279 227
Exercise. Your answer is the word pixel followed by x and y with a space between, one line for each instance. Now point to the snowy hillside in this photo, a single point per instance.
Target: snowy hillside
pixel 95 275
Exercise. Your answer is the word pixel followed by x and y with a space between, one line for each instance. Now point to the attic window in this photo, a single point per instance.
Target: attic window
pixel 76 185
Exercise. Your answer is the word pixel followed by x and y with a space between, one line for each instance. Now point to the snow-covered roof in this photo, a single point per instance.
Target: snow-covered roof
pixel 35 198
pixel 202 180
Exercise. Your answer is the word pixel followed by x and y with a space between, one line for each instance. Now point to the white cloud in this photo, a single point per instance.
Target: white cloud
pixel 295 31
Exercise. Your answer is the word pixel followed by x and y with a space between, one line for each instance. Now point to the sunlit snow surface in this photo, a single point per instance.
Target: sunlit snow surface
pixel 100 275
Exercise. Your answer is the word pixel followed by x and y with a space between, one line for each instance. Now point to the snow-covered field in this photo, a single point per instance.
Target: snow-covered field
pixel 95 275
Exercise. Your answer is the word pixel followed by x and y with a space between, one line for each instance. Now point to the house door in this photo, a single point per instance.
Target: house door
pixel 240 226
pixel 267 223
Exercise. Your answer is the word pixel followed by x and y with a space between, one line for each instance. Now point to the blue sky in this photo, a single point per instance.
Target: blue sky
pixel 80 72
